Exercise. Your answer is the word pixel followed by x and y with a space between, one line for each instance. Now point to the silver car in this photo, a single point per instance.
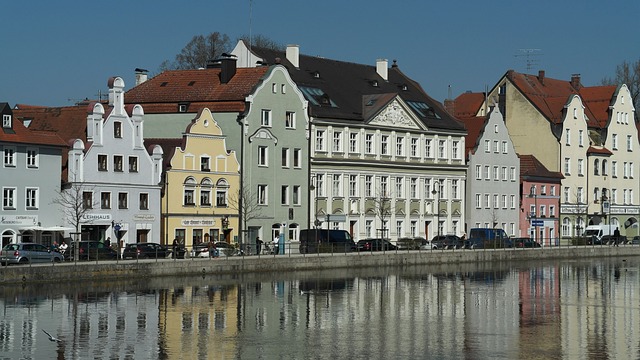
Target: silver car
pixel 25 253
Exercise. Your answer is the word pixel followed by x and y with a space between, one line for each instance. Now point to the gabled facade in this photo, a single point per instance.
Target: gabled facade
pixel 386 159
pixel 575 129
pixel 493 184
pixel 29 180
pixel 200 176
pixel 264 117
pixel 118 177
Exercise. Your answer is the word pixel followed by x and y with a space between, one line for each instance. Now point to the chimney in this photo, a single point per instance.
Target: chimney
pixel 450 106
pixel 293 55
pixel 382 68
pixel 541 76
pixel 228 69
pixel 141 75
pixel 575 81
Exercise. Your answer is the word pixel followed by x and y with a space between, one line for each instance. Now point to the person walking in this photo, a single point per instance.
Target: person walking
pixel 276 244
pixel 212 249
pixel 175 245
pixel 616 237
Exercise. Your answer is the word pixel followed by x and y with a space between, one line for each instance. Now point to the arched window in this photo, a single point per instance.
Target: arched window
pixel 189 191
pixel 205 192
pixel 566 227
pixel 604 167
pixel 596 194
pixel 222 192
pixel 596 167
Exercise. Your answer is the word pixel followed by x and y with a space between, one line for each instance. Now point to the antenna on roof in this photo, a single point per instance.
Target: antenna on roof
pixel 250 13
pixel 530 57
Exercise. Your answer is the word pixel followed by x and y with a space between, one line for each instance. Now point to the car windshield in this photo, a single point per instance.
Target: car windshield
pixel 591 232
pixel 11 247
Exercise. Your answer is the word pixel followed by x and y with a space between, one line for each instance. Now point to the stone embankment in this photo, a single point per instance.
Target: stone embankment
pixel 127 269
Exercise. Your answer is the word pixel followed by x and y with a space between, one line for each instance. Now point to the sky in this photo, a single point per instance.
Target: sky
pixel 55 53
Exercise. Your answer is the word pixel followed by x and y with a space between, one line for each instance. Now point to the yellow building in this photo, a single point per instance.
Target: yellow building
pixel 200 177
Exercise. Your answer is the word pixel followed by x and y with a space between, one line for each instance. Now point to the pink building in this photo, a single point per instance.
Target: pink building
pixel 539 201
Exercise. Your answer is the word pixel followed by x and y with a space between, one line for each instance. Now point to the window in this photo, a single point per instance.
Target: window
pixel 496 175
pixel 263 159
pixel 399 228
pixel 189 192
pixel 455 150
pixel 614 141
pixel 567 166
pixel 505 148
pixel 604 167
pixel 454 189
pixel 117 163
pixel 188 197
pixel 384 145
pixel 512 173
pixel 320 140
pixel 427 149
pixel 284 195
pixel 496 204
pixel 368 143
pixel 581 138
pixel 205 163
pixel 222 189
pixel 553 190
pixel 580 167
pixel 144 201
pixel 487 201
pixel 274 88
pixel 337 141
pixel 123 201
pixel 262 194
pixel 117 129
pixel 512 201
pixel 496 146
pixel 504 173
pixel 614 196
pixel 413 188
pixel 368 228
pixel 102 162
pixel 631 170
pixel 384 186
pixel 297 158
pixel 565 194
pixel 614 168
pixel 283 88
pixel 427 188
pixel 337 185
pixel 31 198
pixel 596 167
pixel 504 201
pixel 9 156
pixel 625 170
pixel 414 228
pixel 320 184
pixel 133 164
pixel 399 187
pixel 353 142
pixel 285 157
pixel 580 195
pixel 368 186
pixel 87 200
pixel 399 146
pixel 265 120
pixel 296 195
pixel 442 149
pixel 105 200
pixel 552 211
pixel 414 147
pixel 629 143
pixel 568 138
pixel 353 185
pixel 487 146
pixel 478 201
pixel 487 174
pixel 32 158
pixel 543 211
pixel 9 198
pixel 478 172
pixel 6 121
pixel 205 195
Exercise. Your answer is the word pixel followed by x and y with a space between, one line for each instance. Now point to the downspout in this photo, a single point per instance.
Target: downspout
pixel 309 174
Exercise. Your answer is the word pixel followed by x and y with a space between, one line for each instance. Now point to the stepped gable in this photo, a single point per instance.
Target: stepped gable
pixel 335 89
pixel 200 88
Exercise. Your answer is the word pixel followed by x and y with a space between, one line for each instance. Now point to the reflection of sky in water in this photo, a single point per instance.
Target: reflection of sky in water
pixel 566 309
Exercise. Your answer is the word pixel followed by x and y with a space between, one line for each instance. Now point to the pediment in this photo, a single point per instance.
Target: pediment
pixel 395 114
pixel 264 134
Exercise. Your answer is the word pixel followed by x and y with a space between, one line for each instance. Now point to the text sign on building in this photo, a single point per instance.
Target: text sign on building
pixel 537 222
pixel 96 217
pixel 197 222
pixel 19 220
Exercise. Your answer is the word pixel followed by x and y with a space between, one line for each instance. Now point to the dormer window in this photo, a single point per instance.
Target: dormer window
pixel 404 87
pixel 316 74
pixel 374 83
pixel 183 108
pixel 6 121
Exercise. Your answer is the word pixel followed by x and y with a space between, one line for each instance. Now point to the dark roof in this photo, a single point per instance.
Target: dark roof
pixel 336 89
pixel 531 167
pixel 168 148
pixel 475 128
pixel 23 135
pixel 197 88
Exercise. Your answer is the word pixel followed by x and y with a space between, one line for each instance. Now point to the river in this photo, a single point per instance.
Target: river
pixel 537 310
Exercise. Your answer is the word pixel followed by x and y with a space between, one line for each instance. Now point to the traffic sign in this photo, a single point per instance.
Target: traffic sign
pixel 537 222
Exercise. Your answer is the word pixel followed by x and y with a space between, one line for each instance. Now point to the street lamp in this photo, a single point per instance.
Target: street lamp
pixel 533 216
pixel 435 192
pixel 316 188
pixel 606 207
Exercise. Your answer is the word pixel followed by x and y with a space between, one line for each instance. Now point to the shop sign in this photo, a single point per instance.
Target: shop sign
pixel 19 220
pixel 197 222
pixel 96 217
pixel 144 217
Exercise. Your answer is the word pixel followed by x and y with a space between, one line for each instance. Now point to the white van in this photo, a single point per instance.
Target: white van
pixel 596 232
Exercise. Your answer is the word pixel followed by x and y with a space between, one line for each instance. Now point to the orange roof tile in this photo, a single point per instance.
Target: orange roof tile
pixel 468 104
pixel 530 166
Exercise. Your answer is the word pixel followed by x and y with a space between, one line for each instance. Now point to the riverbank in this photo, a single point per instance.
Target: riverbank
pixel 127 269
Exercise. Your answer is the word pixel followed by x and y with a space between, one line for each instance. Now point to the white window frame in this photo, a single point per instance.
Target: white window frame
pixel 369 144
pixel 284 195
pixel 9 156
pixel 414 147
pixel 399 146
pixel 337 141
pixel 442 149
pixel 285 159
pixel 353 185
pixel 384 145
pixel 428 151
pixel 320 140
pixel 296 195
pixel 265 118
pixel 31 197
pixel 353 142
pixel 9 198
pixel 33 158
pixel 262 197
pixel 263 156
pixel 297 158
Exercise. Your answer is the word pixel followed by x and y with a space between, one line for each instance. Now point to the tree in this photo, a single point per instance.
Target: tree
pixel 382 209
pixel 245 202
pixel 74 207
pixel 262 41
pixel 629 74
pixel 198 51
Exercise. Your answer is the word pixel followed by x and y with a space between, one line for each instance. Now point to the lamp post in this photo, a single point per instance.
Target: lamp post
pixel 316 188
pixel 533 216
pixel 606 207
pixel 435 192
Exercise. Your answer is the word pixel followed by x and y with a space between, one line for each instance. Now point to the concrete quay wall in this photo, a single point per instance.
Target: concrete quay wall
pixel 127 269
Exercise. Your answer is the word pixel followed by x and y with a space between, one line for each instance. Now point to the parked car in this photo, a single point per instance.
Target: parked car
pixel 614 240
pixel 25 253
pixel 525 242
pixel 488 238
pixel 411 243
pixel 202 251
pixel 145 250
pixel 226 249
pixel 375 245
pixel 635 240
pixel 428 245
pixel 447 242
pixel 324 241
pixel 90 250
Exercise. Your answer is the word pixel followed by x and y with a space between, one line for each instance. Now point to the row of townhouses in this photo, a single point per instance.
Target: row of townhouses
pixel 263 143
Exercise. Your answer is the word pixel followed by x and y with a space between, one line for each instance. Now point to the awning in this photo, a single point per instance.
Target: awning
pixel 45 228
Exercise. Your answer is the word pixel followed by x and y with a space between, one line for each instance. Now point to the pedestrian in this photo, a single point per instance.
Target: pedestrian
pixel 63 247
pixel 616 237
pixel 276 244
pixel 258 245
pixel 212 249
pixel 107 243
pixel 176 244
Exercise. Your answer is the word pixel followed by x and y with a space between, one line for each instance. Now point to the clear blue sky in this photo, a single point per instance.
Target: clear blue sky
pixel 55 53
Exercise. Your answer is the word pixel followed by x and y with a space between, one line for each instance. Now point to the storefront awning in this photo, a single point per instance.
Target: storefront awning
pixel 45 228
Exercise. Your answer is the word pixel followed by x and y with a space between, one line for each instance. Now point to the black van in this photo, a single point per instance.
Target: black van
pixel 487 238
pixel 325 241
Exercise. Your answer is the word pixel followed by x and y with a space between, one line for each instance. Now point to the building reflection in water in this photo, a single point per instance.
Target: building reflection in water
pixel 550 310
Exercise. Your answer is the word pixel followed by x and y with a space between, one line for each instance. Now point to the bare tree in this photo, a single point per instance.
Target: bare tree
pixel 245 202
pixel 382 208
pixel 629 74
pixel 262 41
pixel 198 51
pixel 74 206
